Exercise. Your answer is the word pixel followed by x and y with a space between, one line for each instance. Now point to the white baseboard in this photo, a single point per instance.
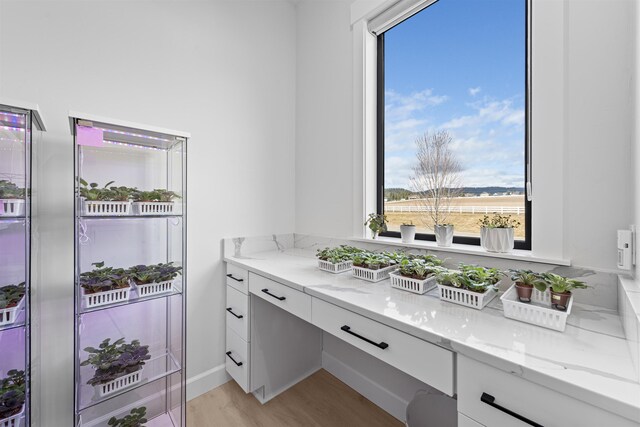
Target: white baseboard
pixel 385 399
pixel 206 381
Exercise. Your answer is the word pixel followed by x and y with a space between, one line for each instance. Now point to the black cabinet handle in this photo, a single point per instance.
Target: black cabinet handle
pixel 266 291
pixel 238 316
pixel 230 276
pixel 491 401
pixel 234 360
pixel 382 345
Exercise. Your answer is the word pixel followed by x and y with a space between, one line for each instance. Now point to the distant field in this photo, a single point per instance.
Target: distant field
pixel 465 223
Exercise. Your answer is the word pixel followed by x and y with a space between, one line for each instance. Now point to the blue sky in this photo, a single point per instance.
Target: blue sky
pixel 458 65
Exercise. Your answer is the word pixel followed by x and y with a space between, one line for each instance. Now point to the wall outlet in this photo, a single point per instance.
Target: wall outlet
pixel 625 249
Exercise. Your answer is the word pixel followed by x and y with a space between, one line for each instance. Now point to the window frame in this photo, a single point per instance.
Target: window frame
pixel 380 148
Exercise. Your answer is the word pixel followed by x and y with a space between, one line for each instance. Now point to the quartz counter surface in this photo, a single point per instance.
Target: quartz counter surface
pixel 590 361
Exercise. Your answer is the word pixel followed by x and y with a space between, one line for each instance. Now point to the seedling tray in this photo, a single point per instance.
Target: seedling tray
pixel 12 207
pixel 120 383
pixel 153 208
pixel 464 297
pixel 372 275
pixel 537 312
pixel 410 284
pixel 14 420
pixel 105 298
pixel 8 316
pixel 100 208
pixel 150 289
pixel 340 267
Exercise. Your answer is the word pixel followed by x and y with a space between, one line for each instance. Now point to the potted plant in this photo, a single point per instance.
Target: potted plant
pixel 104 285
pixel 377 223
pixel 12 201
pixel 416 274
pixel 525 281
pixel 471 285
pixel 408 232
pixel 560 288
pixel 11 300
pixel 117 365
pixel 12 398
pixel 154 279
pixel 496 233
pixel 156 202
pixel 107 200
pixel 337 260
pixel 136 418
pixel 436 179
pixel 372 266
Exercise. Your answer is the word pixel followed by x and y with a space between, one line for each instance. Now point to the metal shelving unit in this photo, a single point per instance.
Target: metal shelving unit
pixel 19 125
pixel 146 158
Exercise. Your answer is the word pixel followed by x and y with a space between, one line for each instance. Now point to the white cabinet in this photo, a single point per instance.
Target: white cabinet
pixel 238 278
pixel 464 421
pixel 238 312
pixel 237 359
pixel 289 299
pixel 238 350
pixel 495 398
pixel 420 359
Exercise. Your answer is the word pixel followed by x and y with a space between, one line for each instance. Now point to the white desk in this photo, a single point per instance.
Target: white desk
pixel 589 362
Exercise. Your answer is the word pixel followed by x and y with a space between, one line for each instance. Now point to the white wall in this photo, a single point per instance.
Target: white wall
pixel 224 71
pixel 594 44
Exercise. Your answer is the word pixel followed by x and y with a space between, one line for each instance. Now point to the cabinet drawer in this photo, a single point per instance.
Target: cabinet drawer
pixel 238 312
pixel 464 421
pixel 237 359
pixel 532 401
pixel 237 278
pixel 289 299
pixel 420 359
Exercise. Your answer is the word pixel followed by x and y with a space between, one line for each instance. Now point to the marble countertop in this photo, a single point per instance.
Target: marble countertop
pixel 590 361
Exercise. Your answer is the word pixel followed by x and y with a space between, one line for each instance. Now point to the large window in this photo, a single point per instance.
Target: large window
pixel 453 118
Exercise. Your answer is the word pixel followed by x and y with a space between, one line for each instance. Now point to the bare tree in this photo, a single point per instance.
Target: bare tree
pixel 436 176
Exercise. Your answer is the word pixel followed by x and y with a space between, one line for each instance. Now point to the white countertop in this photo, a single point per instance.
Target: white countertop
pixel 590 361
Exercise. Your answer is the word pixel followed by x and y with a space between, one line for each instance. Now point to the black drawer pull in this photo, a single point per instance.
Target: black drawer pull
pixel 238 316
pixel 266 291
pixel 234 360
pixel 491 401
pixel 230 276
pixel 382 345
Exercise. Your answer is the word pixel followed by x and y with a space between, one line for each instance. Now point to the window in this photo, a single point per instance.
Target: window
pixel 455 76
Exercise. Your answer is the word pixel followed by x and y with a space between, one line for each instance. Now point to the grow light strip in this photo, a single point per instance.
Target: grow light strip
pixel 144 147
pixel 12 128
pixel 119 132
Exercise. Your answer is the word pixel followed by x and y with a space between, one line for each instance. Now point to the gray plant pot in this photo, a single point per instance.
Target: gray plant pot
pixel 498 240
pixel 444 235
pixel 408 233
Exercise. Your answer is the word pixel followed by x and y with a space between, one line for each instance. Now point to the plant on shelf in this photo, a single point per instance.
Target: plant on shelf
pixel 497 232
pixel 136 418
pixel 417 268
pixel 165 196
pixel 377 223
pixel 102 279
pixel 525 281
pixel 8 190
pixel 337 255
pixel 470 277
pixel 10 295
pixel 12 394
pixel 560 288
pixel 157 273
pixel 373 261
pixel 92 192
pixel 114 360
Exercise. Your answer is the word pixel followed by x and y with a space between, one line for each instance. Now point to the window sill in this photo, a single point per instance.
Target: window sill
pixel 519 255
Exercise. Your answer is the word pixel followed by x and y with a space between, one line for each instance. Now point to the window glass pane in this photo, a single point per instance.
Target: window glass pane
pixel 456 71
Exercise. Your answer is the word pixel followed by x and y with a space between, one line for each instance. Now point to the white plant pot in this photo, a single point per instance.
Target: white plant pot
pixel 408 233
pixel 98 299
pixel 14 420
pixel 496 239
pixel 12 207
pixel 8 316
pixel 120 383
pixel 444 235
pixel 153 208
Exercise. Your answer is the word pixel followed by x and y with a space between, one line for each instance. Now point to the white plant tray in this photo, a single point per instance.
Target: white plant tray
pixel 153 208
pixel 537 312
pixel 149 289
pixel 467 298
pixel 14 420
pixel 120 383
pixel 372 275
pixel 104 298
pixel 340 267
pixel 101 208
pixel 12 207
pixel 9 315
pixel 412 285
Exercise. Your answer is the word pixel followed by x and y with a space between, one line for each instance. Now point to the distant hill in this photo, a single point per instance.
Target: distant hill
pixel 391 194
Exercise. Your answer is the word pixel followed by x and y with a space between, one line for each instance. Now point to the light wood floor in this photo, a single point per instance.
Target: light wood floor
pixel 319 401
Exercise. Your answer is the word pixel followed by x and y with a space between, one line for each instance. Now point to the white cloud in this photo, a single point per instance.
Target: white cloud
pixel 473 91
